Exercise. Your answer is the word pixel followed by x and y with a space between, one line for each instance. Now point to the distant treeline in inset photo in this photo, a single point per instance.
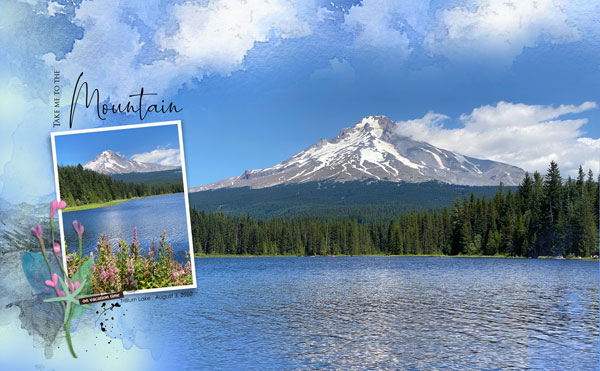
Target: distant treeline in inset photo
pixel 80 186
pixel 544 216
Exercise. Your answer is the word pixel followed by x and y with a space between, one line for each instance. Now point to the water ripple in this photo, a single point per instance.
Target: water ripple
pixel 386 313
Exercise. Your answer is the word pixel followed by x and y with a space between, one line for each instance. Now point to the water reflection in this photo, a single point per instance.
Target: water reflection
pixel 383 313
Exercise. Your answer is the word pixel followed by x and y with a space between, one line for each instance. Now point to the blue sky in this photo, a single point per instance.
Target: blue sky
pixel 509 81
pixel 155 144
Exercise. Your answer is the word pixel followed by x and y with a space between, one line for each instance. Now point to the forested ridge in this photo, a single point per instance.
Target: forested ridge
pixel 544 216
pixel 364 200
pixel 79 186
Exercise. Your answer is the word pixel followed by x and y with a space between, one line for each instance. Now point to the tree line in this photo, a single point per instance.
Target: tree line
pixel 364 200
pixel 79 186
pixel 545 216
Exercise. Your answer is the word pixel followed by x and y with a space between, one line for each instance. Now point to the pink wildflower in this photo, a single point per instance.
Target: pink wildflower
pixel 57 250
pixel 135 233
pixel 78 228
pixel 54 283
pixel 56 205
pixel 37 232
pixel 130 274
pixel 103 275
pixel 73 286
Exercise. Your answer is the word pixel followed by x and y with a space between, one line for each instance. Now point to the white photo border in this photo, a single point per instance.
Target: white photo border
pixel 53 135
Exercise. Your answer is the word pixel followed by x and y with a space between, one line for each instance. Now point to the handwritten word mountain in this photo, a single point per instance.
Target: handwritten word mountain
pixel 109 162
pixel 373 149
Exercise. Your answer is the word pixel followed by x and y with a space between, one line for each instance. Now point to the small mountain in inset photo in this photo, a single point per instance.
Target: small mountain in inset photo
pixel 110 162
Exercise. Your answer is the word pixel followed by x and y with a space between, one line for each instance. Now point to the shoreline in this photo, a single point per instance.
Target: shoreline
pixel 99 205
pixel 204 256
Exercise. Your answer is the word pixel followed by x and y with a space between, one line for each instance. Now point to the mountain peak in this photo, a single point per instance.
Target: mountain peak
pixel 372 149
pixel 111 162
pixel 109 154
pixel 375 126
pixel 379 126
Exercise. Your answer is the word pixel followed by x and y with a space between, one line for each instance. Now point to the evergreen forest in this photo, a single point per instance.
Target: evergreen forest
pixel 79 186
pixel 545 216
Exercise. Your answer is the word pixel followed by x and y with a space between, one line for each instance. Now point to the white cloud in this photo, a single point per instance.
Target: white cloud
pixel 494 31
pixel 383 23
pixel 218 35
pixel 190 40
pixel 528 136
pixel 106 54
pixel 167 157
pixel 324 14
pixel 55 8
pixel 498 30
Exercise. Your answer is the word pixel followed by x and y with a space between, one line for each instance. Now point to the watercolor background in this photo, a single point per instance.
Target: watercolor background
pixel 260 81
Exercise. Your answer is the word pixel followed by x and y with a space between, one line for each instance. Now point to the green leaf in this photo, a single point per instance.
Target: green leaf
pixel 84 275
pixel 58 298
pixel 63 284
pixel 69 299
pixel 79 289
pixel 67 311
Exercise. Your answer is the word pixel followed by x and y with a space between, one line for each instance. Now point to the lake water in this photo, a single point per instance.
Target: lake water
pixel 151 215
pixel 378 313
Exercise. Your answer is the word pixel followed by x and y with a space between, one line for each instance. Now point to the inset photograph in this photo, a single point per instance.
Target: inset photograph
pixel 127 216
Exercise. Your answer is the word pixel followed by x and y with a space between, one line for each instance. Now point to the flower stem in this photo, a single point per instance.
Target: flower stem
pixel 64 271
pixel 45 256
pixel 80 243
pixel 68 332
pixel 68 324
pixel 52 228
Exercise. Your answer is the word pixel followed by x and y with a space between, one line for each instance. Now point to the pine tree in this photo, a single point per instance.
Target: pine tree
pixel 551 210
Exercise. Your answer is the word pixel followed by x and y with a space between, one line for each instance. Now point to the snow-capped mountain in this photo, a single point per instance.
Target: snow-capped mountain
pixel 372 149
pixel 109 162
